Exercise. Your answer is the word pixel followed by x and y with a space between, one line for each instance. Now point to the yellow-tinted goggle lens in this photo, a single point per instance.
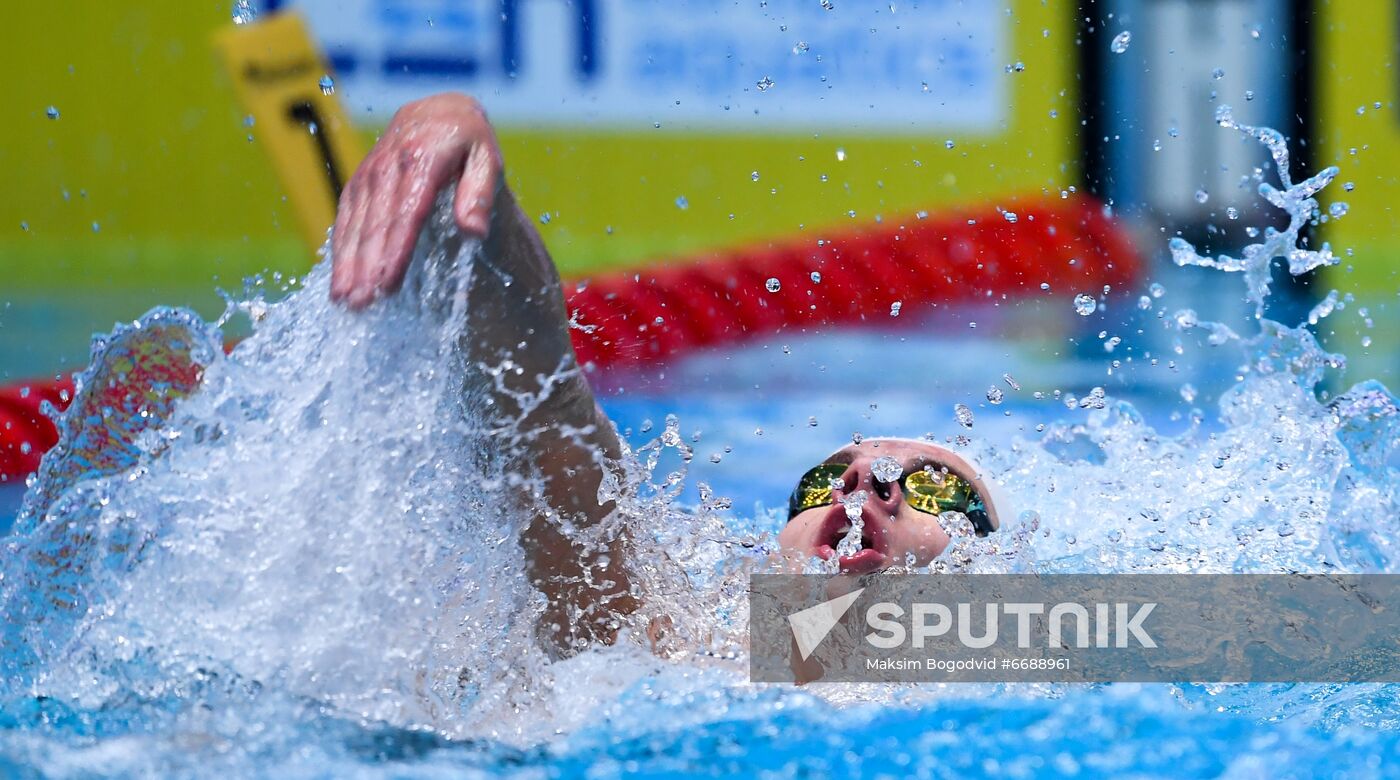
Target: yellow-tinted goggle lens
pixel 936 492
pixel 814 489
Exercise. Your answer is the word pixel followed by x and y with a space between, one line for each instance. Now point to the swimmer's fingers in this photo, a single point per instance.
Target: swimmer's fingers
pixel 420 175
pixel 382 184
pixel 476 189
pixel 396 170
pixel 349 228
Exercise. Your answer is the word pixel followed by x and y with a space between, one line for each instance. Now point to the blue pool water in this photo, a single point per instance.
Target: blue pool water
pixel 305 568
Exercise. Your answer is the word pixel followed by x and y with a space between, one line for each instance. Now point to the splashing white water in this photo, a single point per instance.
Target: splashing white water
pixel 1297 200
pixel 1286 483
pixel 323 515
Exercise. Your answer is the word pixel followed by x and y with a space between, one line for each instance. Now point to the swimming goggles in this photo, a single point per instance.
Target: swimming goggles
pixel 931 490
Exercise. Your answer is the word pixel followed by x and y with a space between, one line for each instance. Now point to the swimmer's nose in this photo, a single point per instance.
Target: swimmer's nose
pixel 883 496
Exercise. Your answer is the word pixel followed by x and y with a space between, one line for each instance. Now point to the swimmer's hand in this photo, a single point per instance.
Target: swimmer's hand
pixel 430 144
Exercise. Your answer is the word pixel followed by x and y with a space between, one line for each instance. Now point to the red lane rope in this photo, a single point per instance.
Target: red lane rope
pixel 644 317
pixel 25 433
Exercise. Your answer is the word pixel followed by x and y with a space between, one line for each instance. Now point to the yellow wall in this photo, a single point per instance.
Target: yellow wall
pixel 1357 68
pixel 151 145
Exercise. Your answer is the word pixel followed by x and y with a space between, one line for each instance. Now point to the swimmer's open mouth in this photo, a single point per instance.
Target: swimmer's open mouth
pixel 866 543
pixel 871 554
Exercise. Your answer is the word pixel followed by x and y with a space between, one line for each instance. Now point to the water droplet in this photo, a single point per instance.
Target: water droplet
pixel 895 307
pixel 1202 196
pixel 1144 303
pixel 994 395
pixel 52 113
pixel 1232 213
pixel 827 4
pixel 1173 132
pixel 1120 42
pixel 96 227
pixel 682 203
pixel 1009 216
pixel 244 12
pixel 949 143
pixel 812 422
pixel 1010 381
pixel 1188 393
pixel 773 284
pixel 327 84
pixel 1217 74
pixel 963 415
pixel 1349 186
pixel 800 48
pixel 1249 94
pixel 816 277
pixel 754 176
pixel 886 469
pixel 1084 304
pixel 544 218
pixel 1338 209
pixel 764 84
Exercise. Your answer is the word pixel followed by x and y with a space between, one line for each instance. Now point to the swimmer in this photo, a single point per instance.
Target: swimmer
pixel 518 315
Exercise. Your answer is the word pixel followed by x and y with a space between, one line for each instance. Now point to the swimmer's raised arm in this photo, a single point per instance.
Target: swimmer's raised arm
pixel 517 321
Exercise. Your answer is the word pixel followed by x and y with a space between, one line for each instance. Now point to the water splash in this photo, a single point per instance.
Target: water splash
pixel 1297 200
pixel 244 11
pixel 324 515
pixel 1286 481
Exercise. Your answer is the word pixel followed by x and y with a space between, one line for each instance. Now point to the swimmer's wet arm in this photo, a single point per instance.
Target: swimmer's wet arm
pixel 518 315
pixel 519 323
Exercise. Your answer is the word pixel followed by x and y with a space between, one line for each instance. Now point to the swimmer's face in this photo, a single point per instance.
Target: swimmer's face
pixel 894 532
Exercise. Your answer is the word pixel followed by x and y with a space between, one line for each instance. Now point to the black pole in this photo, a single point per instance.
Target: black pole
pixel 1093 49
